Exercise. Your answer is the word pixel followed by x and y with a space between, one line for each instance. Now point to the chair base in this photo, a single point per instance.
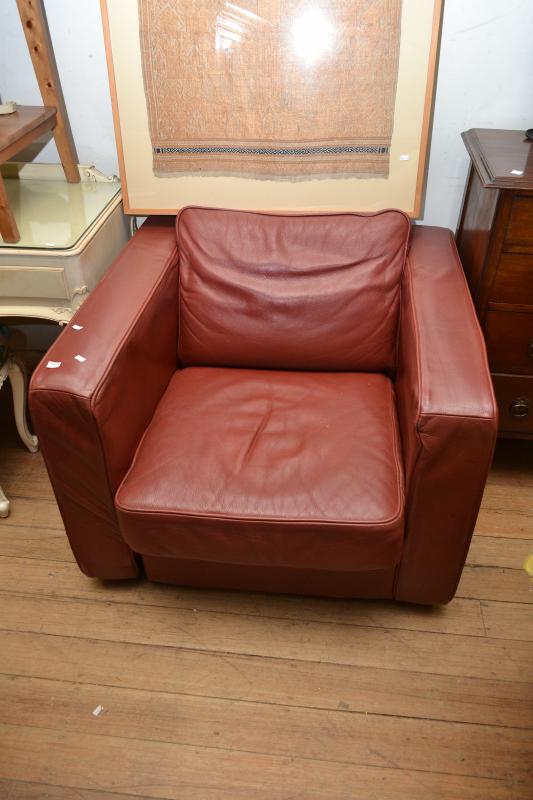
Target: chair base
pixel 375 585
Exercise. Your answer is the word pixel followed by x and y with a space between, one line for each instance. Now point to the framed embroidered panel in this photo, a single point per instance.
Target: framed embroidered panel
pixel 272 104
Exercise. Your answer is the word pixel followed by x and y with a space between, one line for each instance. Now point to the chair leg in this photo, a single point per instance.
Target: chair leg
pixel 17 376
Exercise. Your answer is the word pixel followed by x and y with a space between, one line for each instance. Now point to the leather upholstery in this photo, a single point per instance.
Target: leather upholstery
pixel 290 479
pixel 317 292
pixel 91 415
pixel 448 417
pixel 377 583
pixel 293 469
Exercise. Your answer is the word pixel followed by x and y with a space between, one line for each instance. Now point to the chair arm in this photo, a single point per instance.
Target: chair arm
pixel 90 413
pixel 447 415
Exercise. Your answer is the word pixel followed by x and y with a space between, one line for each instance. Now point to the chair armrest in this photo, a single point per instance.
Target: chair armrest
pixel 447 415
pixel 90 413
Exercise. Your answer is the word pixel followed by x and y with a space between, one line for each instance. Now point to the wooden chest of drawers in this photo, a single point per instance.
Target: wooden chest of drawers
pixel 495 241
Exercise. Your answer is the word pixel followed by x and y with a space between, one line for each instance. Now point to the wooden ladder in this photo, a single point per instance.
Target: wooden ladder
pixel 28 123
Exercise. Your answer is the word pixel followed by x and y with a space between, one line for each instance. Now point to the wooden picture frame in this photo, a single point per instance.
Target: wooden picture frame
pixel 145 193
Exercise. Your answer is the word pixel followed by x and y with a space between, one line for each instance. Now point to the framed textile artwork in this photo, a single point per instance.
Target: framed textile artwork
pixel 272 104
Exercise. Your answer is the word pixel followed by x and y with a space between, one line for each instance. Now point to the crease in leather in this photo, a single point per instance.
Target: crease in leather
pixel 392 519
pixel 158 518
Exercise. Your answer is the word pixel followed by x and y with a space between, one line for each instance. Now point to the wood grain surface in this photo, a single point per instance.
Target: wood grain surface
pixel 212 695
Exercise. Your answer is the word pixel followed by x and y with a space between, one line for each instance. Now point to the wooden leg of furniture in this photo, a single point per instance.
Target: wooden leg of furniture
pixel 17 376
pixel 8 226
pixel 35 25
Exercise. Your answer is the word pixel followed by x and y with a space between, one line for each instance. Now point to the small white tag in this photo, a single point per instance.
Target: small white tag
pixel 405 157
pixel 53 364
pixel 97 711
pixel 78 327
pixel 79 358
pixel 517 172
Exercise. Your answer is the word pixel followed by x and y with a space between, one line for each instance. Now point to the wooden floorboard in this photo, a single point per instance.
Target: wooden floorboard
pixel 472 617
pixel 336 735
pixel 161 769
pixel 212 695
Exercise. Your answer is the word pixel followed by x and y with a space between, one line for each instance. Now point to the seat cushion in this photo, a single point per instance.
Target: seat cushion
pixel 290 469
pixel 313 292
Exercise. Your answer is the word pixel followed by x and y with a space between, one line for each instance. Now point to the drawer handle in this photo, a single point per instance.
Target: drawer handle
pixel 520 407
pixel 530 348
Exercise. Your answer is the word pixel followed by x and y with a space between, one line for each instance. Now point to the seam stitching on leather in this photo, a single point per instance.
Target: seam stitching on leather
pixel 298 215
pixel 389 523
pixel 396 446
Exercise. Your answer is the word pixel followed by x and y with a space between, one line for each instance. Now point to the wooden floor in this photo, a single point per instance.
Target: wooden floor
pixel 226 696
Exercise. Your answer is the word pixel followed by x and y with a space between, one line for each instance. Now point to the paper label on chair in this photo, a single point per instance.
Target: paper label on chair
pixel 53 364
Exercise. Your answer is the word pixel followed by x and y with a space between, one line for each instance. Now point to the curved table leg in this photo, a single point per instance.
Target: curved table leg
pixel 17 377
pixel 4 504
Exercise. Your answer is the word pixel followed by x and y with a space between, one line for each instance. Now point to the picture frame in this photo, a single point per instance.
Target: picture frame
pixel 146 193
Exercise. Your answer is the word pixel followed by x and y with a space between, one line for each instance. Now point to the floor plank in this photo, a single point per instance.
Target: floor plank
pixel 504 521
pixel 213 695
pixel 382 648
pixel 34 542
pixel 463 616
pixel 278 681
pixel 23 790
pixel 33 512
pixel 494 551
pixel 496 583
pixel 24 476
pixel 180 772
pixel 336 736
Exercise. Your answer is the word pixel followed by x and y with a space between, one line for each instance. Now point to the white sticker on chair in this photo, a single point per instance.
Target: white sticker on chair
pixel 79 358
pixel 53 364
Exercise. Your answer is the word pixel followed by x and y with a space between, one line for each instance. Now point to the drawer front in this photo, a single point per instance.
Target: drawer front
pixel 514 279
pixel 514 394
pixel 509 337
pixel 520 228
pixel 48 283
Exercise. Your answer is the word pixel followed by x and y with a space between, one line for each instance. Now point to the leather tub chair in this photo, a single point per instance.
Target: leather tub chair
pixel 278 403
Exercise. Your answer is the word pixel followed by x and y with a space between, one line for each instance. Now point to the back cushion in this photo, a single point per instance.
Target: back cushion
pixel 314 292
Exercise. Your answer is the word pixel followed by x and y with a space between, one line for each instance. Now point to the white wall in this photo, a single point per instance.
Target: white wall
pixel 76 31
pixel 485 80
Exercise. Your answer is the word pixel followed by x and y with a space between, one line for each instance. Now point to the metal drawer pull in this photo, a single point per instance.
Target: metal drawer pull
pixel 520 407
pixel 530 348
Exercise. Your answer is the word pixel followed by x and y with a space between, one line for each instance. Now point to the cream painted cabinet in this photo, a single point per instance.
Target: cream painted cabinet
pixel 70 234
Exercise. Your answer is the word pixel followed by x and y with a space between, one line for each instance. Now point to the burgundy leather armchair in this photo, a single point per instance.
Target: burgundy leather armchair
pixel 281 403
